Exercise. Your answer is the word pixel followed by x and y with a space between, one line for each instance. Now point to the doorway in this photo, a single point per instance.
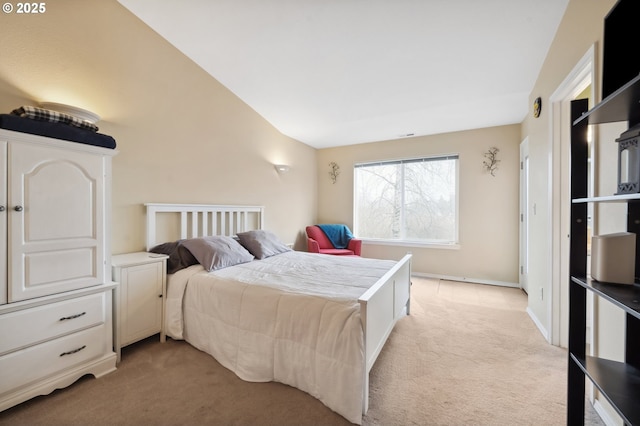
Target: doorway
pixel 524 216
pixel 579 83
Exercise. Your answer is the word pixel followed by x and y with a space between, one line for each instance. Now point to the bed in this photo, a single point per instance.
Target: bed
pixel 313 321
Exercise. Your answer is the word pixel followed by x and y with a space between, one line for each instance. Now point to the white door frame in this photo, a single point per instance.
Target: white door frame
pixel 582 75
pixel 524 215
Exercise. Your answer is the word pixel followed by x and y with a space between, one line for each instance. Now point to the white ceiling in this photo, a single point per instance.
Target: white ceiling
pixel 341 72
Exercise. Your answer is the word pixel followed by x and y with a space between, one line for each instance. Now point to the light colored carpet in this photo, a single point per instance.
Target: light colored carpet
pixel 467 355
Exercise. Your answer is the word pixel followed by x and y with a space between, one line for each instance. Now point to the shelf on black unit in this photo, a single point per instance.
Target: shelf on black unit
pixel 625 296
pixel 623 198
pixel 621 105
pixel 619 382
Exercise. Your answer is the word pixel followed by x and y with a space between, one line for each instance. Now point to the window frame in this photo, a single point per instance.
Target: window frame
pixel 451 245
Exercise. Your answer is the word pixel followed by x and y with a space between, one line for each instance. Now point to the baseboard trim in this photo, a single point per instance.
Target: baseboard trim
pixel 466 279
pixel 604 414
pixel 538 324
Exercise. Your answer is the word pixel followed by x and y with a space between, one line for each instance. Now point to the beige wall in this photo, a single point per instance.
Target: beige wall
pixel 580 29
pixel 488 219
pixel 182 136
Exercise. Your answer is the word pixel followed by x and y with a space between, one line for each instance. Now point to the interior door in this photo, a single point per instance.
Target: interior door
pixel 524 215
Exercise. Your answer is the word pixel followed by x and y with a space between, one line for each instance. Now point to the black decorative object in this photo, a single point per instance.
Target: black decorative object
pixel 491 162
pixel 629 162
pixel 537 107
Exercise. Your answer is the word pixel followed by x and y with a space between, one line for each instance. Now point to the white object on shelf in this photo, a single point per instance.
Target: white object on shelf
pixel 79 113
pixel 613 257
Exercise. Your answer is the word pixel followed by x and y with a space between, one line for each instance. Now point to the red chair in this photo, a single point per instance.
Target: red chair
pixel 318 242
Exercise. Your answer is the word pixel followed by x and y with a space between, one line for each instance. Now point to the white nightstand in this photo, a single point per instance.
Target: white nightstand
pixel 139 299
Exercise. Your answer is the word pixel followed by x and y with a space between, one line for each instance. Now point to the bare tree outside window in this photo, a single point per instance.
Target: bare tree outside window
pixel 408 200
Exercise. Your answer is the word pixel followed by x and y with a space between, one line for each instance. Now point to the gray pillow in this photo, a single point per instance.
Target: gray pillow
pixel 262 244
pixel 179 256
pixel 217 252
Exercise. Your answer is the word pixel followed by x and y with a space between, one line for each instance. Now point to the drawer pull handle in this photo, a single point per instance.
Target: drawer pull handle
pixel 72 316
pixel 73 351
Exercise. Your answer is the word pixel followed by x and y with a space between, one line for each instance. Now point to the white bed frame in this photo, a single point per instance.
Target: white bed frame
pixel 380 307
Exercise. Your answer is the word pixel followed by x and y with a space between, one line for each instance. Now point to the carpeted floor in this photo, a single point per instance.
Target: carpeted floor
pixel 467 355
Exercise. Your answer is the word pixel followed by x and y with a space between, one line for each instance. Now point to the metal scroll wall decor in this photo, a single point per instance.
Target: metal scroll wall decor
pixel 491 160
pixel 334 172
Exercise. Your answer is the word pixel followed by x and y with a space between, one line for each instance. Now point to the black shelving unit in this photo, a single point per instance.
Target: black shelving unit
pixel 621 105
pixel 618 382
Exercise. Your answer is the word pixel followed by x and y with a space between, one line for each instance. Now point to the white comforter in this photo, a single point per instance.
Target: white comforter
pixel 292 318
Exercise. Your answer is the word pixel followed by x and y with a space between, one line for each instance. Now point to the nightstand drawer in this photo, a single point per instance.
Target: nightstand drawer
pixel 30 326
pixel 37 362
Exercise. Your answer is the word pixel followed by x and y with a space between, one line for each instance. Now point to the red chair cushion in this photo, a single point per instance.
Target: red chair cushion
pixel 317 236
pixel 338 252
pixel 316 233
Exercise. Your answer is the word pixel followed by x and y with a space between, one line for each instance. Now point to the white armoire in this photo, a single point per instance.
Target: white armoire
pixel 56 309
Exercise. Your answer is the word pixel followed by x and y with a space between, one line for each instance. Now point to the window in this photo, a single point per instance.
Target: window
pixel 412 200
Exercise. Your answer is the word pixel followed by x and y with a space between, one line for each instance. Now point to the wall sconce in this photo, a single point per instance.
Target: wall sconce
pixel 282 168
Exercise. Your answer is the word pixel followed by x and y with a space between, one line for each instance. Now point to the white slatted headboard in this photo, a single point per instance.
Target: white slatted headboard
pixel 170 222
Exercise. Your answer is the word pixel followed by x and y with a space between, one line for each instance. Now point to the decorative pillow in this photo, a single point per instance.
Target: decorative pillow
pixel 217 252
pixel 179 256
pixel 262 244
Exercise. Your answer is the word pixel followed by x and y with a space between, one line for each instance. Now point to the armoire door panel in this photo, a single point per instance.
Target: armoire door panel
pixel 55 208
pixel 51 267
pixel 51 191
pixel 3 224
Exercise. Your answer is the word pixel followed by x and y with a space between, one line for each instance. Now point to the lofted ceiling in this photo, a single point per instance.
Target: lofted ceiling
pixel 341 72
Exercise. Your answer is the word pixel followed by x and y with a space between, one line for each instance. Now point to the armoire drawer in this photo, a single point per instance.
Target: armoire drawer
pixel 34 325
pixel 37 362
